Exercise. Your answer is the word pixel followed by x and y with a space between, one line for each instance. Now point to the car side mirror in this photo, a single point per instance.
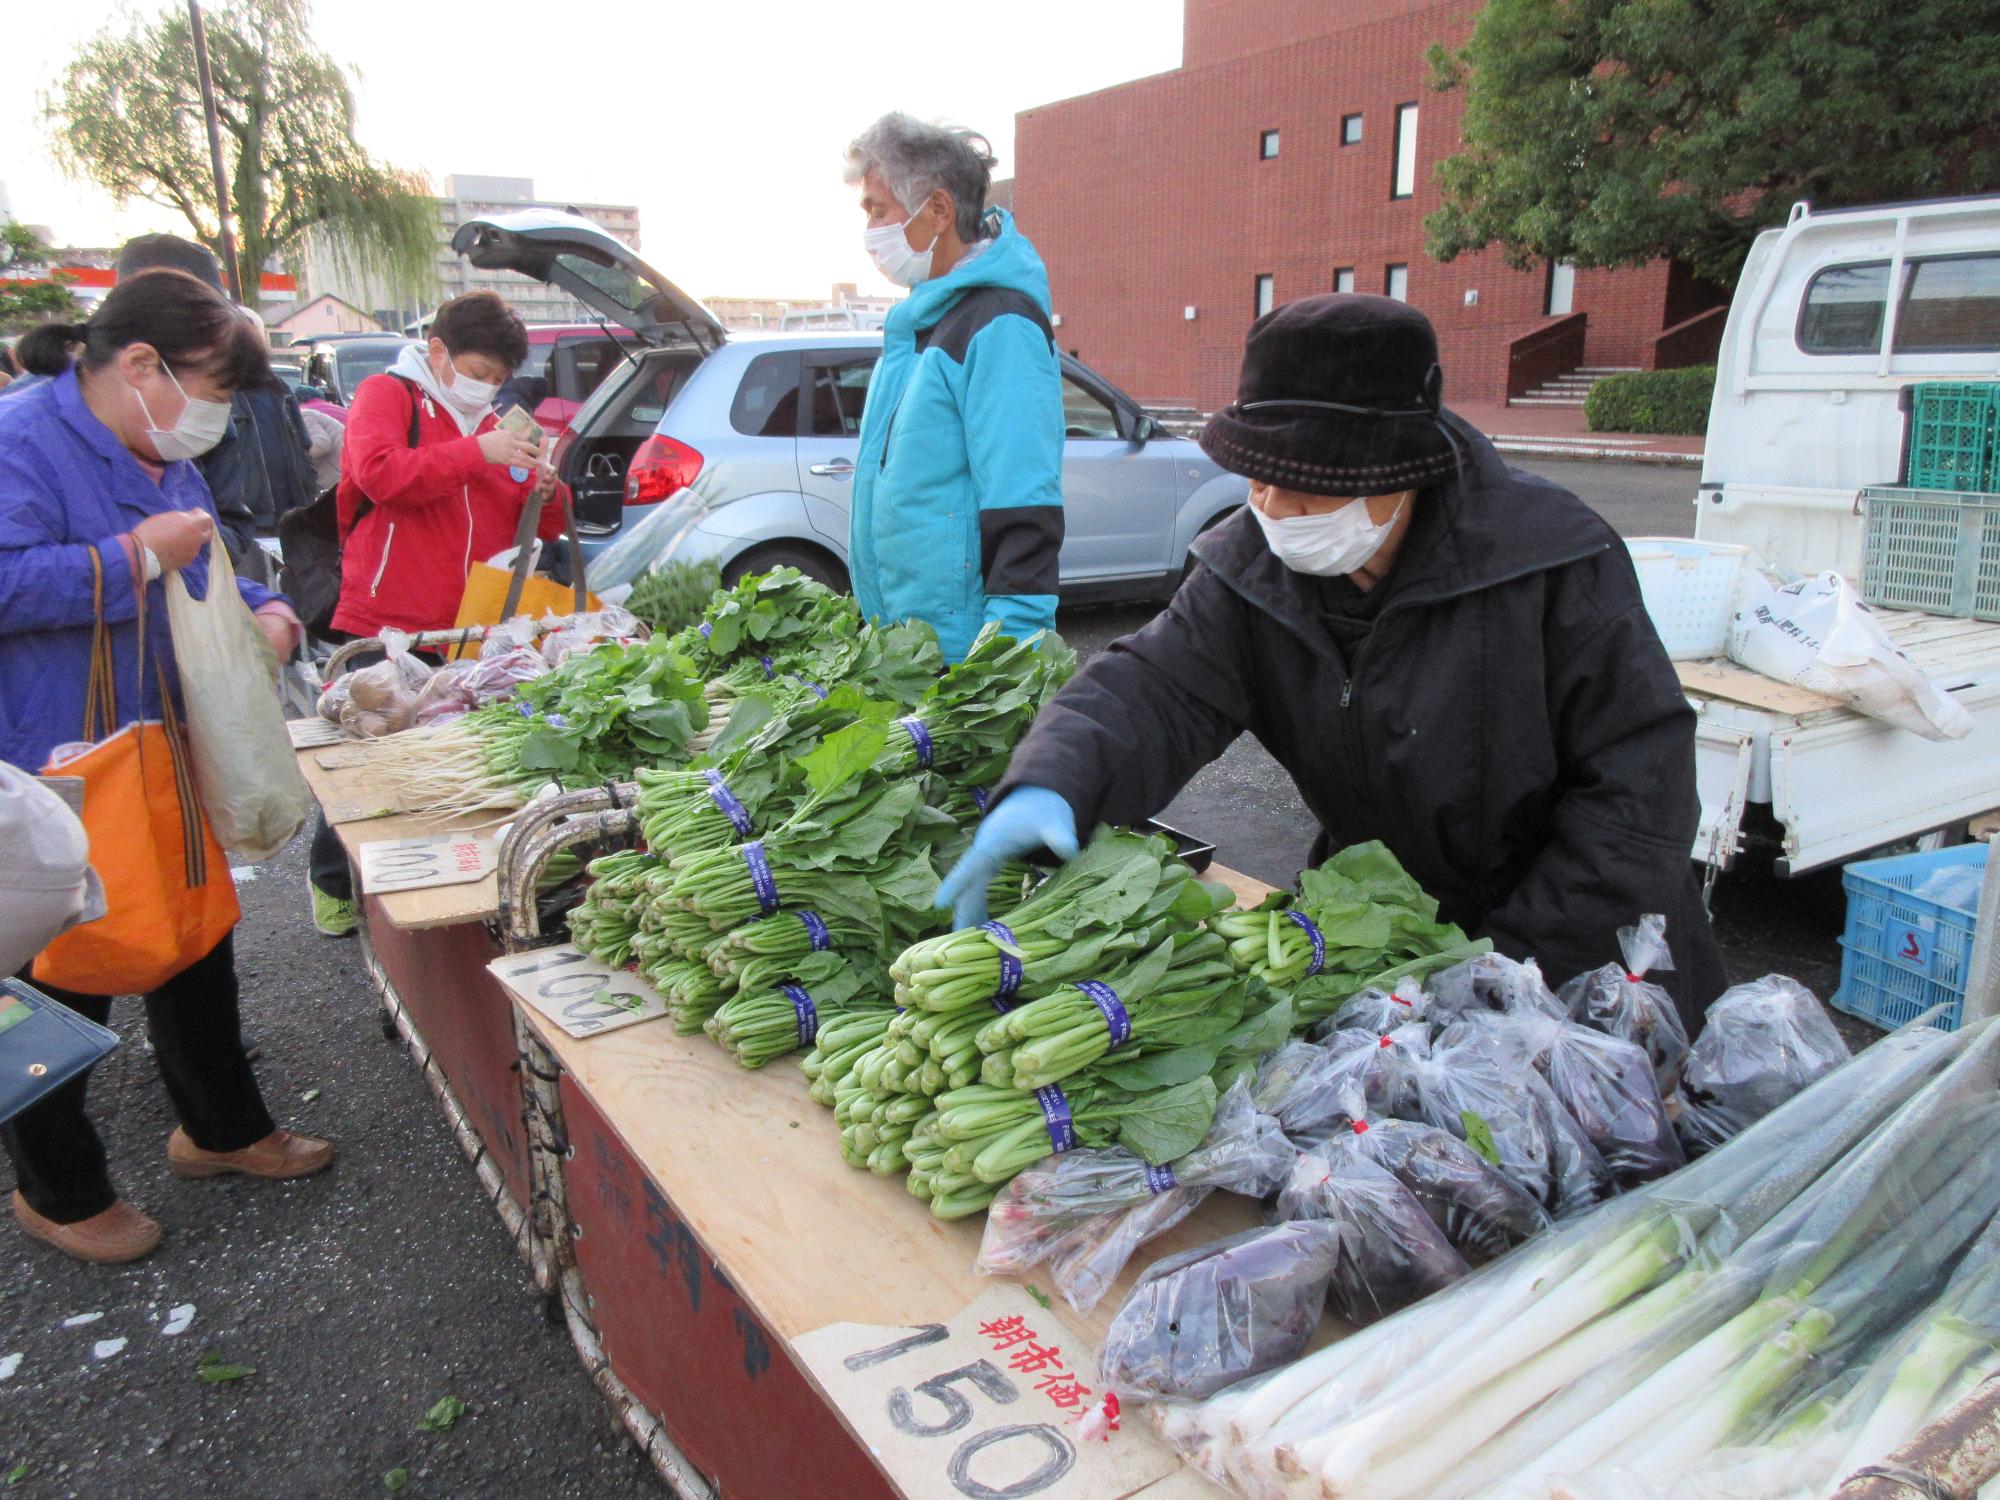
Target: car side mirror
pixel 1144 429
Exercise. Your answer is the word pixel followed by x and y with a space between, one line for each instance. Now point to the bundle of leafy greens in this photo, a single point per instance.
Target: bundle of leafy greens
pixel 674 595
pixel 1358 922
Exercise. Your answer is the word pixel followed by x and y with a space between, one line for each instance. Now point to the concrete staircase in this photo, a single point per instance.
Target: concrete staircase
pixel 1570 389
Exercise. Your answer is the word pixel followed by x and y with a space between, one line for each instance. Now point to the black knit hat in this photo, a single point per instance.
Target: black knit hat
pixel 168 252
pixel 1339 395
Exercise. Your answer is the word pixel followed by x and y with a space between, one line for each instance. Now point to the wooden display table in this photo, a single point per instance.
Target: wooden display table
pixel 719 1265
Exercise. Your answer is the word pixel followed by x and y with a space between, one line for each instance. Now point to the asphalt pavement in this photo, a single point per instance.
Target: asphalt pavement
pixel 362 1298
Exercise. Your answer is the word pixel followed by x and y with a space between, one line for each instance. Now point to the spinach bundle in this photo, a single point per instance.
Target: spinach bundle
pixel 674 595
pixel 1358 921
pixel 768 1017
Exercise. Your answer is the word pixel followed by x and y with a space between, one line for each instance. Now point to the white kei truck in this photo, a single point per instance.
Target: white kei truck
pixel 1834 316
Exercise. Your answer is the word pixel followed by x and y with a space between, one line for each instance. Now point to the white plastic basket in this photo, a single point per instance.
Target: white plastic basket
pixel 1690 589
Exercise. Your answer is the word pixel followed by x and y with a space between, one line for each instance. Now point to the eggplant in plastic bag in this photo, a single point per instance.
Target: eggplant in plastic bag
pixel 1620 1002
pixel 1605 1085
pixel 1378 1012
pixel 1221 1312
pixel 1491 981
pixel 1763 1043
pixel 1479 1211
pixel 1305 1086
pixel 1085 1212
pixel 1391 1251
pixel 1483 1092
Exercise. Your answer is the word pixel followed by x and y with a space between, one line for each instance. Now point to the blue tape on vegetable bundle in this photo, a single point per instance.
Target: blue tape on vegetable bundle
pixel 761 876
pixel 979 798
pixel 1055 1114
pixel 736 812
pixel 1318 940
pixel 1002 999
pixel 707 630
pixel 812 687
pixel 1161 1180
pixel 816 930
pixel 920 736
pixel 1116 1017
pixel 769 670
pixel 808 1015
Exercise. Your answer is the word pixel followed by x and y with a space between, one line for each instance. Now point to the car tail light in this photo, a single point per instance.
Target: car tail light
pixel 660 467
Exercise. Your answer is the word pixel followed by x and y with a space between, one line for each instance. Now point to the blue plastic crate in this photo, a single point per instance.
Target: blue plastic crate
pixel 1904 953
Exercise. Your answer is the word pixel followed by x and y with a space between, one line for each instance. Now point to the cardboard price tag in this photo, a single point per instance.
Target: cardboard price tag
pixel 987 1404
pixel 420 863
pixel 575 991
pixel 310 733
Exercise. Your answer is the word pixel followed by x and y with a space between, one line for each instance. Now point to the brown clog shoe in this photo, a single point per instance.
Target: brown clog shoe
pixel 279 1155
pixel 119 1234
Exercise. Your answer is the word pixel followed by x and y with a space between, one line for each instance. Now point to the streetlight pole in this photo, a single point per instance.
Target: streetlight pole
pixel 229 266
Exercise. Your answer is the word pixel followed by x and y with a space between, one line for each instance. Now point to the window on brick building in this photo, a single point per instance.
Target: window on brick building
pixel 1350 130
pixel 1343 279
pixel 1396 283
pixel 1267 145
pixel 1561 299
pixel 1266 294
pixel 1406 151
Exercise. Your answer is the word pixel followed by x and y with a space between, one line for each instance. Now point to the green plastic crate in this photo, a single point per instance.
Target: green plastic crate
pixel 1932 551
pixel 1955 436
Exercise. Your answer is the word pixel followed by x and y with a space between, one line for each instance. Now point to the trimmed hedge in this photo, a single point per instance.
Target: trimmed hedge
pixel 1673 402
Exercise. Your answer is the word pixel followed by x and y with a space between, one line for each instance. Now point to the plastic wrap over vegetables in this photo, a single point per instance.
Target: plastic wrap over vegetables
pixel 383 699
pixel 1391 1252
pixel 1205 1319
pixel 1479 1089
pixel 1377 1011
pixel 1085 1212
pixel 1763 1042
pixel 1479 1211
pixel 448 694
pixel 498 674
pixel 1491 981
pixel 1306 1087
pixel 1620 1002
pixel 1606 1086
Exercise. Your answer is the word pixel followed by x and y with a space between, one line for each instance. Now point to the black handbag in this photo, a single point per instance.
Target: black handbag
pixel 43 1045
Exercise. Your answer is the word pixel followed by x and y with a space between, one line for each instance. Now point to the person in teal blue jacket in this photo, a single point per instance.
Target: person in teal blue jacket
pixel 957 514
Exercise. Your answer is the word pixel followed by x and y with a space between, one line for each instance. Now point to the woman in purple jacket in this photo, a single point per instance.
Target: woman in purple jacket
pixel 99 456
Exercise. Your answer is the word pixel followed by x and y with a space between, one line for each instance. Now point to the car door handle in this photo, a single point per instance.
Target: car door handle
pixel 840 468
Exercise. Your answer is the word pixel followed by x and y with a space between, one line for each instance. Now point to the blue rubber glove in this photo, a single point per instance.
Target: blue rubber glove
pixel 1032 817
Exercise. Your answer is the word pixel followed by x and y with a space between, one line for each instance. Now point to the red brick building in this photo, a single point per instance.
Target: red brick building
pixel 1291 154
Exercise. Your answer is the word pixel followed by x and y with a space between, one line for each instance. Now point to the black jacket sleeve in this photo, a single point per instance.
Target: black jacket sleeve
pixel 1146 713
pixel 1627 808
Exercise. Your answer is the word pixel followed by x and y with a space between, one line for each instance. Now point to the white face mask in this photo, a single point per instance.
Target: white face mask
pixel 200 426
pixel 894 258
pixel 467 394
pixel 1330 544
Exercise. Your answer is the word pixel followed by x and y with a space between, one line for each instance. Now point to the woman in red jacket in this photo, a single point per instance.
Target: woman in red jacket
pixel 430 484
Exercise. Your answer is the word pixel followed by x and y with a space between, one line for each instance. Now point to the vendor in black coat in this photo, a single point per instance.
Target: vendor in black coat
pixel 1456 662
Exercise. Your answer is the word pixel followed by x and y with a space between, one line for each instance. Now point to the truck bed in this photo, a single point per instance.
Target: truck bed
pixel 1837 782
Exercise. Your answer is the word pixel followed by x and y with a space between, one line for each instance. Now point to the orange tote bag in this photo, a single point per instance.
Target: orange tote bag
pixel 169 896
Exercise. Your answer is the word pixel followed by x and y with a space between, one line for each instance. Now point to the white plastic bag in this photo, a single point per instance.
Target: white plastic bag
pixel 244 767
pixel 1816 633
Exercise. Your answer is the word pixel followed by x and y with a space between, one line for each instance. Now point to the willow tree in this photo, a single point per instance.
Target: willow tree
pixel 126 115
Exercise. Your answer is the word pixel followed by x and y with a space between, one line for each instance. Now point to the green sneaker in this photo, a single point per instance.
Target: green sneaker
pixel 332 917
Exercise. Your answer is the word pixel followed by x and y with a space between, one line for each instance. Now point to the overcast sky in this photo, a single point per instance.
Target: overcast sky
pixel 724 122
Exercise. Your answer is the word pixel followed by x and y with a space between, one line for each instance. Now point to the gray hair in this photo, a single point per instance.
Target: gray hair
pixel 916 159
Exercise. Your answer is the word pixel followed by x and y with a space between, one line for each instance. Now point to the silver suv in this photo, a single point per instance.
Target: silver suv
pixel 750 439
